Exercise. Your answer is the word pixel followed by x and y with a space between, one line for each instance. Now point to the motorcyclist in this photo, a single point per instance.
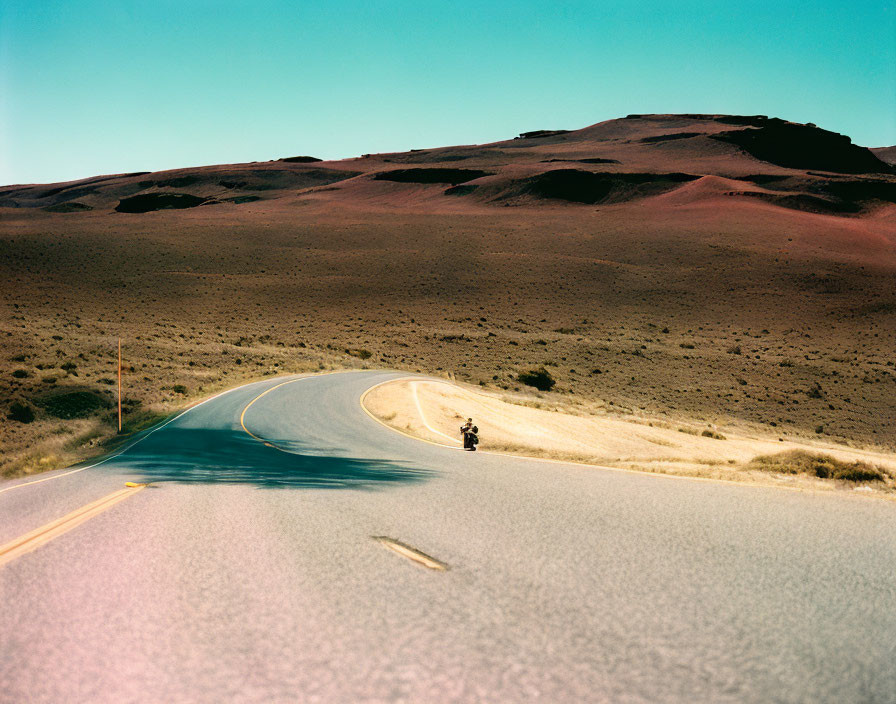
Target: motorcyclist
pixel 466 431
pixel 474 437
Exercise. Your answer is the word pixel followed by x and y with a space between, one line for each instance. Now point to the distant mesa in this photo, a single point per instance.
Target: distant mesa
pixel 537 134
pixel 885 154
pixel 670 137
pixel 70 207
pixel 147 202
pixel 763 179
pixel 803 201
pixel 270 179
pixel 862 190
pixel 745 120
pixel 462 190
pixel 591 160
pixel 804 147
pixel 589 187
pixel 787 164
pixel 841 196
pixel 300 159
pixel 435 175
pixel 174 182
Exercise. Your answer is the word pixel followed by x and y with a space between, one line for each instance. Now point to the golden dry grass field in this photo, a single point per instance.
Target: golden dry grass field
pixel 573 430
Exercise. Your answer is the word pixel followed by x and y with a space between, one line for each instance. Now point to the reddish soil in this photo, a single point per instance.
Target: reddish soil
pixel 691 278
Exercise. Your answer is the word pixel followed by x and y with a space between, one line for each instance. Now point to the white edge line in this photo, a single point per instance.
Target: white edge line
pixel 573 463
pixel 128 447
pixel 423 417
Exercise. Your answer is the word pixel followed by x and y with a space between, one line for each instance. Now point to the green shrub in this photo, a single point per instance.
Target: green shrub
pixel 179 389
pixel 21 412
pixel 20 374
pixel 73 404
pixel 359 353
pixel 540 378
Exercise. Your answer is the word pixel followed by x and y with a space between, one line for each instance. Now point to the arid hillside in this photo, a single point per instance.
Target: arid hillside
pixel 730 270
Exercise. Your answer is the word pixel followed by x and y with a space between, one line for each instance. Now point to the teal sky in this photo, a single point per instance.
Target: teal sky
pixel 89 87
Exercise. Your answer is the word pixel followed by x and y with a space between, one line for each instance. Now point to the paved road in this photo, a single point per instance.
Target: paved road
pixel 247 573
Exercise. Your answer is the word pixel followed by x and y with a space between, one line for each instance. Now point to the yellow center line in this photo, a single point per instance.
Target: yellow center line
pixel 274 388
pixel 265 393
pixel 40 536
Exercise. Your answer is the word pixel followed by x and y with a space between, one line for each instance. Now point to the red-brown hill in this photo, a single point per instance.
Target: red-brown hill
pixel 795 166
pixel 725 269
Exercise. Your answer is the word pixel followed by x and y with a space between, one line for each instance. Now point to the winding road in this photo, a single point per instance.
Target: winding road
pixel 279 554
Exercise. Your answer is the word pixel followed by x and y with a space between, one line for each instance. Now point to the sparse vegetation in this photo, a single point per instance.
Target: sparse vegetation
pixel 581 432
pixel 21 412
pixel 818 465
pixel 73 404
pixel 540 378
pixel 615 293
pixel 712 434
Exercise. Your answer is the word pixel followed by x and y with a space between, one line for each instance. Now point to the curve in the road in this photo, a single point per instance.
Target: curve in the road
pixel 244 575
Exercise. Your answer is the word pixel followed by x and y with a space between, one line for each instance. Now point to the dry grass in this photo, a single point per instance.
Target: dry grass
pixel 73 403
pixel 508 424
pixel 822 466
pixel 695 308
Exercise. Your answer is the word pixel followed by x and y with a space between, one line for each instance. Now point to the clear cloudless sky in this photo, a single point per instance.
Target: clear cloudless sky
pixel 93 87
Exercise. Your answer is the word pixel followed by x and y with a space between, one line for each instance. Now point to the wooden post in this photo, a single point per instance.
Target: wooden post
pixel 119 384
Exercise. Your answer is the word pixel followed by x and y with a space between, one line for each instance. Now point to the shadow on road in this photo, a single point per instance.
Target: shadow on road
pixel 211 456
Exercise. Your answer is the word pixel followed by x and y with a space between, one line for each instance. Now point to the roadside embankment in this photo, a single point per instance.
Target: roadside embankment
pixel 433 410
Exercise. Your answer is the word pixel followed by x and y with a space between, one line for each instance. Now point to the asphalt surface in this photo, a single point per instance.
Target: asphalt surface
pixel 250 573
